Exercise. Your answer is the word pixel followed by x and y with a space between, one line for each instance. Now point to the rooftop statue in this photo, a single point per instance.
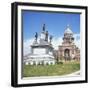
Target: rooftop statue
pixel 44 27
pixel 43 34
pixel 50 38
pixel 46 36
pixel 36 36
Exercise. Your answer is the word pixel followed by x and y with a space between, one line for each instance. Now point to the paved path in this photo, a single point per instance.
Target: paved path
pixel 74 74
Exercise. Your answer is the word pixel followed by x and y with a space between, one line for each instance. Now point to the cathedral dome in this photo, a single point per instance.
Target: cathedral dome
pixel 68 30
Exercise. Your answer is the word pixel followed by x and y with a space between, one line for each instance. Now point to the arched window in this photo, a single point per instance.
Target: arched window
pixel 67 54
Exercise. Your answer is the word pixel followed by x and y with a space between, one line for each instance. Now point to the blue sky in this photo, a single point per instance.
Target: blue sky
pixel 55 23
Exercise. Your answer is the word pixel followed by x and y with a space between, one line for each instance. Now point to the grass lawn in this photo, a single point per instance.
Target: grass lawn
pixel 51 70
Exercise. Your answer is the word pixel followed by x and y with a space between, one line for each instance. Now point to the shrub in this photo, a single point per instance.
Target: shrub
pixel 60 62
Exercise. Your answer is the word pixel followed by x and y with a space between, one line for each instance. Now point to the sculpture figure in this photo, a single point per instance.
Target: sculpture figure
pixel 36 36
pixel 44 27
pixel 50 38
pixel 46 36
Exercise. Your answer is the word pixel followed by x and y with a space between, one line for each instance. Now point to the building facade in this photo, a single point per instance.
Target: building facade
pixel 68 50
pixel 42 51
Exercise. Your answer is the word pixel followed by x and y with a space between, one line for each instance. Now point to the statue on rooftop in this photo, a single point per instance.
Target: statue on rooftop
pixel 36 36
pixel 46 36
pixel 44 27
pixel 50 38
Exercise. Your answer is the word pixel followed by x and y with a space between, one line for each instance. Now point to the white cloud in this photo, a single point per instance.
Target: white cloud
pixel 55 42
pixel 26 46
pixel 77 40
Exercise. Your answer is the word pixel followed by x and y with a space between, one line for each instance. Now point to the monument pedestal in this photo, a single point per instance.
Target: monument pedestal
pixel 40 60
pixel 42 51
